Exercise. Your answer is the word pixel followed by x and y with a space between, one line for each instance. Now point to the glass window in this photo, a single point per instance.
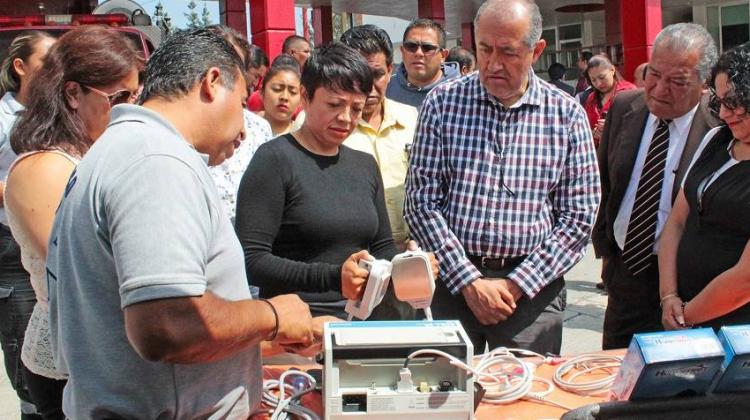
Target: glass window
pixel 712 20
pixel 550 36
pixel 549 56
pixel 570 32
pixel 735 25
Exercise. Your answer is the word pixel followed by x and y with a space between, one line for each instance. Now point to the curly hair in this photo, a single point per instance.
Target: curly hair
pixel 735 63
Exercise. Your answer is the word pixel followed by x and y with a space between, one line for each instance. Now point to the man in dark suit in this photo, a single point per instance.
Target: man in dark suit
pixel 556 72
pixel 647 145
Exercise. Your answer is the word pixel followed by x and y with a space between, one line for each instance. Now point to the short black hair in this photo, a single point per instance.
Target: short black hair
pixel 462 56
pixel 427 24
pixel 184 59
pixel 735 63
pixel 284 62
pixel 556 71
pixel 234 37
pixel 291 40
pixel 256 58
pixel 336 67
pixel 369 40
pixel 586 56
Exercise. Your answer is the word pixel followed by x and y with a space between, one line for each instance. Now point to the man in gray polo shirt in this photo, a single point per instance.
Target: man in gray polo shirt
pixel 151 313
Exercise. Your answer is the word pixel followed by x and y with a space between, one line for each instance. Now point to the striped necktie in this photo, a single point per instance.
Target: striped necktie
pixel 641 235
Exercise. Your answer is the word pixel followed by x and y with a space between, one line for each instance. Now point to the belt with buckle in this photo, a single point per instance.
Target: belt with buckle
pixel 499 263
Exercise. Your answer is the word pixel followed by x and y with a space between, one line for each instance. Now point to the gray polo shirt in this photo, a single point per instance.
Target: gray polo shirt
pixel 141 220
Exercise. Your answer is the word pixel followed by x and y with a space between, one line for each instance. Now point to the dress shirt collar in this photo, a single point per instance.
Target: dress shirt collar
pixel 9 104
pixel 679 127
pixel 532 96
pixel 128 112
pixel 390 117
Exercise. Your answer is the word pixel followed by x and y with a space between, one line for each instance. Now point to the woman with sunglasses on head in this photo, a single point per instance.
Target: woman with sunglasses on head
pixel 704 256
pixel 280 94
pixel 23 59
pixel 87 72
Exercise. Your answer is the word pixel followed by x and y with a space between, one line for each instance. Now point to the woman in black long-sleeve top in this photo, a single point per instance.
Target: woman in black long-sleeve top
pixel 309 209
pixel 704 260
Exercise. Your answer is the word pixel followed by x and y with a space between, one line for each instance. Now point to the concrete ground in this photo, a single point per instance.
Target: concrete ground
pixel 582 327
pixel 582 330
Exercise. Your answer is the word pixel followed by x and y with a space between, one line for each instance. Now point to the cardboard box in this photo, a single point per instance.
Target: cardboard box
pixel 667 364
pixel 735 371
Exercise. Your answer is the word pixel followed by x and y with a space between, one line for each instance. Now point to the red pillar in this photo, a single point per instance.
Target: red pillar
pixel 467 36
pixel 232 14
pixel 271 21
pixel 432 9
pixel 323 24
pixel 641 22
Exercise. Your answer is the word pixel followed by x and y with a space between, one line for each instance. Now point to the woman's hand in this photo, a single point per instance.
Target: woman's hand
pixel 598 129
pixel 671 314
pixel 412 246
pixel 353 278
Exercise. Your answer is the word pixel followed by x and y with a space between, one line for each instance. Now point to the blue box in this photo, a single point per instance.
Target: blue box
pixel 735 370
pixel 667 364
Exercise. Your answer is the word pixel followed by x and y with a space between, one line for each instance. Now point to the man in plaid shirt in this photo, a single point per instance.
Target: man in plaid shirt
pixel 503 185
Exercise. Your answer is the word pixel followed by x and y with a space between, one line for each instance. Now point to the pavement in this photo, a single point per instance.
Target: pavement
pixel 582 328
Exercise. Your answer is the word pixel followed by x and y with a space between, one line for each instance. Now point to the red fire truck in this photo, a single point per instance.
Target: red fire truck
pixel 59 16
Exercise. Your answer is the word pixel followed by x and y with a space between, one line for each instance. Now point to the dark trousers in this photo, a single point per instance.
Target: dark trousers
pixel 535 325
pixel 632 303
pixel 17 301
pixel 46 393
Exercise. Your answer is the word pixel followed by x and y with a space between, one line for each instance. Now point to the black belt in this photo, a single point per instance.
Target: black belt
pixel 496 263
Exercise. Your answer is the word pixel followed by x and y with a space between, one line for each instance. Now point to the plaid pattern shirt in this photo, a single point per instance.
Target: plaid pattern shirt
pixel 487 180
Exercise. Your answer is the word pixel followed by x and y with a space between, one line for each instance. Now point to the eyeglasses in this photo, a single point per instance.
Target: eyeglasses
pixel 123 96
pixel 427 48
pixel 731 103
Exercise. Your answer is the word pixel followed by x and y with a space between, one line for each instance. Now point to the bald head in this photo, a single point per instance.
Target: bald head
pixel 513 10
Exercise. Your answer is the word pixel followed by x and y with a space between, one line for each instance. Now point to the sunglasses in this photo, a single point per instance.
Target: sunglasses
pixel 731 103
pixel 123 96
pixel 427 48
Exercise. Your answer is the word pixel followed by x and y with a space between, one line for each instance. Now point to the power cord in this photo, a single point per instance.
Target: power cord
pixel 287 401
pixel 504 377
pixel 585 364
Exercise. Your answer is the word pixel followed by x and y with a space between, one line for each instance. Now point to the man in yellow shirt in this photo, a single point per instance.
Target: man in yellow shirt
pixel 387 127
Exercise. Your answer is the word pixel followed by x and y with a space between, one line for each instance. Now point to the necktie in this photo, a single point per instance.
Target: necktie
pixel 640 238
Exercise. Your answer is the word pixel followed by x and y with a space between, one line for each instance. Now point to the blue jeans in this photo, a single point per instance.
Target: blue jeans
pixel 17 300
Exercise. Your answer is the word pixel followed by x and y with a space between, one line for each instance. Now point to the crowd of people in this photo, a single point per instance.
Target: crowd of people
pixel 167 224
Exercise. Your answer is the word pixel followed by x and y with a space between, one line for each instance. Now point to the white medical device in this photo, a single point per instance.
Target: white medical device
pixel 377 285
pixel 412 279
pixel 365 372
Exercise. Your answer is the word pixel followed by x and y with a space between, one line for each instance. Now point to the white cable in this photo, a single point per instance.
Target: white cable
pixel 428 313
pixel 586 364
pixel 274 397
pixel 511 382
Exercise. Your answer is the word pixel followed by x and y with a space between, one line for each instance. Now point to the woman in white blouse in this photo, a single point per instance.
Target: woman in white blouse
pixel 86 73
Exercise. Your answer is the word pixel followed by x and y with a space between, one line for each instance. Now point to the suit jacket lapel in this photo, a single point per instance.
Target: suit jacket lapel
pixel 633 123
